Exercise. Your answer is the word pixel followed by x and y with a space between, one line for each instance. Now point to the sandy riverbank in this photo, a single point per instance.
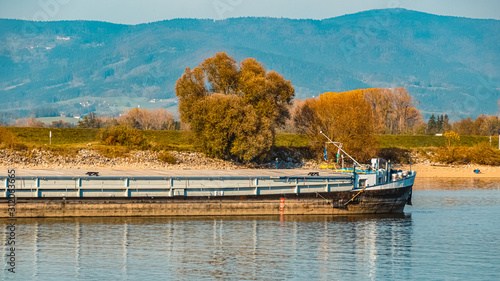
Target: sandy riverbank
pixel 423 170
pixel 453 171
pixel 148 161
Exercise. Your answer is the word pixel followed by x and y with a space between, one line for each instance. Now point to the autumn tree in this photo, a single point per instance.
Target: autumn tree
pixel 483 125
pixel 222 73
pixel 226 126
pixel 380 101
pixel 162 119
pixel 403 109
pixel 478 124
pixel 306 118
pixel 144 119
pixel 344 117
pixel 233 110
pixel 393 110
pixel 107 122
pixel 490 126
pixel 31 122
pixel 289 126
pixel 464 126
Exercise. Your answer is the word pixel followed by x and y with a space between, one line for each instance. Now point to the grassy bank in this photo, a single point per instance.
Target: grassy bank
pixel 182 140
pixel 173 140
pixel 403 141
pixel 41 136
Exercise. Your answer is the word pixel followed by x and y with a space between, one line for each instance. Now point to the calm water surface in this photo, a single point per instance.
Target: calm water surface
pixel 452 232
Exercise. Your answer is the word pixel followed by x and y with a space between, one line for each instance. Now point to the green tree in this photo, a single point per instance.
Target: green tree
pixel 446 124
pixel 233 110
pixel 439 123
pixel 432 126
pixel 61 124
pixel 90 121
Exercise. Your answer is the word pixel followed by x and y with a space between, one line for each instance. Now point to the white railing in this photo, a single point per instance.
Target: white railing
pixel 39 187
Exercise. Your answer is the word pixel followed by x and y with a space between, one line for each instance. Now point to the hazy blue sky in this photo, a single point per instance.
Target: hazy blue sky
pixel 140 11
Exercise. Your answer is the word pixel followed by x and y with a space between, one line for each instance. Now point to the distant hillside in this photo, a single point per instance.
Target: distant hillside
pixel 450 65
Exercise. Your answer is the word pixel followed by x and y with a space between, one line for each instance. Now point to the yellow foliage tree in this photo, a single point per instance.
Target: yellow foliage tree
pixel 344 117
pixel 452 138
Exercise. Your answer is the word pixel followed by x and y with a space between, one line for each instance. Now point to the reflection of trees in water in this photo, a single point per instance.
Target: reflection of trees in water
pixel 300 247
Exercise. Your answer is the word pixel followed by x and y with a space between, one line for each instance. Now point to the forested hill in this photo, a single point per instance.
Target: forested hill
pixel 449 64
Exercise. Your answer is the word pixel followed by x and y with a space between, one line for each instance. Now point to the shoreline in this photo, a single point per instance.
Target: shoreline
pixel 423 170
pixel 142 161
pixel 452 171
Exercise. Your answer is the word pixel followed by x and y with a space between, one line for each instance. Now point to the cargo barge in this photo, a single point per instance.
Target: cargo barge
pixel 237 192
pixel 375 189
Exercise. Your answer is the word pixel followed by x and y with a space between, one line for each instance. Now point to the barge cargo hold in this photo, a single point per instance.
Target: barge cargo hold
pixel 202 192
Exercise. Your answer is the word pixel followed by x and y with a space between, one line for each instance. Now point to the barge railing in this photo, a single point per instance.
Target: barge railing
pixel 60 186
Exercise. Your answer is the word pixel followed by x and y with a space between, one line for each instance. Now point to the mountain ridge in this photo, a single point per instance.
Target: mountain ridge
pixel 450 67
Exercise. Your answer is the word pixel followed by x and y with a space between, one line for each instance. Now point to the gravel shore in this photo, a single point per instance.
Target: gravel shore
pixel 148 160
pixel 87 159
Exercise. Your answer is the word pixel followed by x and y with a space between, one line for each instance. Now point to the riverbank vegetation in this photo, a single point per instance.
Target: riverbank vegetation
pixel 354 118
pixel 469 149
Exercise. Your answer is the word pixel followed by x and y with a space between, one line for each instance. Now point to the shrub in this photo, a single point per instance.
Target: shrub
pixel 452 155
pixel 9 140
pixel 395 154
pixel 484 154
pixel 124 136
pixel 167 157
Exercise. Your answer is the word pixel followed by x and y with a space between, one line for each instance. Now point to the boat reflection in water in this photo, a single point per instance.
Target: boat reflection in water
pixel 320 247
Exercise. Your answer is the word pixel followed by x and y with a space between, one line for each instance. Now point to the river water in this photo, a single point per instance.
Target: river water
pixel 452 232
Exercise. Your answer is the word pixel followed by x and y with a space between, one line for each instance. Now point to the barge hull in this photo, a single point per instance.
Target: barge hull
pixel 376 201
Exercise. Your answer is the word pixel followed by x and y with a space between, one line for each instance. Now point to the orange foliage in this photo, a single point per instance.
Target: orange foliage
pixel 394 111
pixel 354 117
pixel 344 117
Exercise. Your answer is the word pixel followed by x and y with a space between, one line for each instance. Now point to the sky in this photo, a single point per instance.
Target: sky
pixel 143 11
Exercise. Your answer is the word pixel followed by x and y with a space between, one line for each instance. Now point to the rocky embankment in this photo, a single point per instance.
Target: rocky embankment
pixel 41 159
